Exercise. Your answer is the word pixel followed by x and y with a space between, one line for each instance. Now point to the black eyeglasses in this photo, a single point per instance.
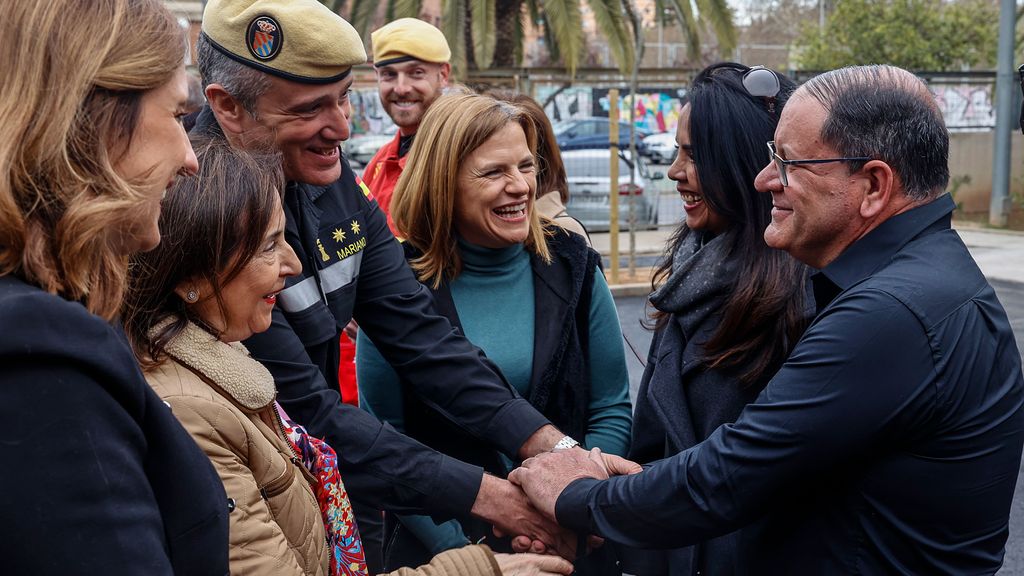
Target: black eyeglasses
pixel 1020 71
pixel 781 164
pixel 763 83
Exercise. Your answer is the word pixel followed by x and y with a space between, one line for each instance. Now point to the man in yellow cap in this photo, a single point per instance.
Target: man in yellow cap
pixel 411 60
pixel 277 75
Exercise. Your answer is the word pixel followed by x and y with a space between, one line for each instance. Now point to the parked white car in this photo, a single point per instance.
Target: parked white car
pixel 360 149
pixel 661 147
pixel 589 188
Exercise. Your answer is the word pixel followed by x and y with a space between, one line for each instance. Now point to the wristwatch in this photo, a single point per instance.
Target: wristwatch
pixel 565 443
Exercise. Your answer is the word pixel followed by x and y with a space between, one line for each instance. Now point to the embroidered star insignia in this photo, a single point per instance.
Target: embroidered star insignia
pixel 355 227
pixel 339 235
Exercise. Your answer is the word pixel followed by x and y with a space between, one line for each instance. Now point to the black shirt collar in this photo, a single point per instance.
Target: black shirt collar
pixel 404 144
pixel 871 252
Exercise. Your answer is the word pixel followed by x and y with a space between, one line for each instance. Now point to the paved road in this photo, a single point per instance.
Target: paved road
pixel 631 311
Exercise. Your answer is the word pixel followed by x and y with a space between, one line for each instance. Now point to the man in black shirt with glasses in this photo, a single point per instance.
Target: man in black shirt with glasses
pixel 890 441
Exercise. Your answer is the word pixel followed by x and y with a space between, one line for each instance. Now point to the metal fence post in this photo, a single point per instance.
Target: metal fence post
pixel 613 192
pixel 999 204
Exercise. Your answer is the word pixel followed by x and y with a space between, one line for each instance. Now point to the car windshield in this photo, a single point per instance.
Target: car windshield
pixel 592 167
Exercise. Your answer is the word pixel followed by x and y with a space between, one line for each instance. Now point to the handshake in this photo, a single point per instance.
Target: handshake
pixel 524 505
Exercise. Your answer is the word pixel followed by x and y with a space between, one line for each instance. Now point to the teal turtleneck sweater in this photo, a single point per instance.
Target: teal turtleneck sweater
pixel 494 298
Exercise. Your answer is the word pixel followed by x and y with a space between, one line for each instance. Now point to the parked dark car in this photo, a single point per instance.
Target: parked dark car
pixel 582 133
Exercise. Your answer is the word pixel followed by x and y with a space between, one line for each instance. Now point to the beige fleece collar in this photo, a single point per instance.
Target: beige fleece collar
pixel 228 365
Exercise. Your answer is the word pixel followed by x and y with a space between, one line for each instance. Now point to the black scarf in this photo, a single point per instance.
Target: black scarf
pixel 701 277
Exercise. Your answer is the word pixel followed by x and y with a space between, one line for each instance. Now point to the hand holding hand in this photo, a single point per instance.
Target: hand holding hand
pixel 545 476
pixel 532 565
pixel 613 466
pixel 508 509
pixel 619 466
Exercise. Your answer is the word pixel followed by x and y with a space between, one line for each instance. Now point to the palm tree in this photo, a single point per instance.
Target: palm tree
pixel 715 13
pixel 491 31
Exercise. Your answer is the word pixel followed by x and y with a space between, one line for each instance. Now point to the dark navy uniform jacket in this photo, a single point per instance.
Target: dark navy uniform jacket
pixel 98 476
pixel 889 442
pixel 352 267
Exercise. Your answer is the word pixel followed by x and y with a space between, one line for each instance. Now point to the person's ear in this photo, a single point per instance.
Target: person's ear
pixel 192 290
pixel 446 72
pixel 229 111
pixel 879 188
pixel 188 292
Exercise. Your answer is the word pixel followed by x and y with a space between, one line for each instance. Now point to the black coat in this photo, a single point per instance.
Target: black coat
pixel 678 405
pixel 559 387
pixel 681 402
pixel 98 476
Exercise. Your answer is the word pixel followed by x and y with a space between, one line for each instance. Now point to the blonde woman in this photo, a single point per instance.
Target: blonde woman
pixel 98 475
pixel 552 181
pixel 525 291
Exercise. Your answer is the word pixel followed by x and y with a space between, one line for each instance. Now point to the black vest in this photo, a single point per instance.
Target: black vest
pixel 559 388
pixel 560 380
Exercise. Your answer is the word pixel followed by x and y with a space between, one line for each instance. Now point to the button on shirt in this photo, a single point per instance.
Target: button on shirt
pixel 890 440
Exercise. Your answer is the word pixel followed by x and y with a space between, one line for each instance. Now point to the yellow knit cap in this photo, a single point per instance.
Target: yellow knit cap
pixel 299 40
pixel 409 39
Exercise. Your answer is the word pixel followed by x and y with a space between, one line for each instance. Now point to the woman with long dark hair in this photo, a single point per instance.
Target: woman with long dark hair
pixel 727 309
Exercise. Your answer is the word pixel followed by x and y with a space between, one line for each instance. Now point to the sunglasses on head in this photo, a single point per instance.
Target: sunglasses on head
pixel 764 83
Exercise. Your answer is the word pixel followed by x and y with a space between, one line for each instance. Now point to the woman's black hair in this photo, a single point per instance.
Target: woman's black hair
pixel 764 315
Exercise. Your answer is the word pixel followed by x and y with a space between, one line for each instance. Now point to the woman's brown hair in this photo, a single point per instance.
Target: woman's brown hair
pixel 211 225
pixel 424 200
pixel 550 168
pixel 74 74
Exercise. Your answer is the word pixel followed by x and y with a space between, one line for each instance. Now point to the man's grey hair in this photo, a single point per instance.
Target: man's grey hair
pixel 243 83
pixel 886 113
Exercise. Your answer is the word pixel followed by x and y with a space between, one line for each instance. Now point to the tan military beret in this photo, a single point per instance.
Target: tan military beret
pixel 409 39
pixel 299 40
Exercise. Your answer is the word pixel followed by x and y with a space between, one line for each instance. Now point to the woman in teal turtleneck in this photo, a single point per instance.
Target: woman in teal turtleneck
pixel 526 292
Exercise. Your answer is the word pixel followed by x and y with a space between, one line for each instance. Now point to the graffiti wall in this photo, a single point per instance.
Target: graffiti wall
pixel 965 106
pixel 657 109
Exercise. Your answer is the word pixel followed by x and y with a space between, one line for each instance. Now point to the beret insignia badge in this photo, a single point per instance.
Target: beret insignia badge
pixel 264 38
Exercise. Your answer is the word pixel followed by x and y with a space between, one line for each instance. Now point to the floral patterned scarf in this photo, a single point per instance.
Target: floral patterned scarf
pixel 347 557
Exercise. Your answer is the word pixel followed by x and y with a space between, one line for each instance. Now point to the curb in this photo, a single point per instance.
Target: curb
pixel 630 290
pixel 994 280
pixel 975 227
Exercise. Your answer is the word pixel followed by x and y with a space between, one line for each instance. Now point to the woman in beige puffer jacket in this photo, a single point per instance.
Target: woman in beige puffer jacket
pixel 226 401
pixel 212 282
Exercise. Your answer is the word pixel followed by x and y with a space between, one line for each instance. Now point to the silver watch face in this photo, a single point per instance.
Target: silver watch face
pixel 565 443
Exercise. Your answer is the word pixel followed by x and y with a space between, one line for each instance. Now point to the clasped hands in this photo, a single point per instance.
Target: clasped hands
pixel 525 504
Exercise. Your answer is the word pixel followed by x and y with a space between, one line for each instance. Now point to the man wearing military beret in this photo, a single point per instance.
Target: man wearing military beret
pixel 411 60
pixel 277 75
